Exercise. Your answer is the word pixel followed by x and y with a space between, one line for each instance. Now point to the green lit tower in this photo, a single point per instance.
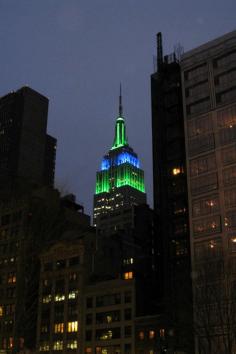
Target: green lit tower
pixel 120 181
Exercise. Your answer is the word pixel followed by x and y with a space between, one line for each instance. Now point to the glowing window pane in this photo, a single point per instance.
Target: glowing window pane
pixel 176 171
pixel 72 326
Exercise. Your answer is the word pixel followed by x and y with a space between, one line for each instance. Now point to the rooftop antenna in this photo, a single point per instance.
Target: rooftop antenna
pixel 159 50
pixel 120 103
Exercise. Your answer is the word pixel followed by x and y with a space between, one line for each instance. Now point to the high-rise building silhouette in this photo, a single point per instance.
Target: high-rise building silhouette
pixel 27 153
pixel 119 183
pixel 171 197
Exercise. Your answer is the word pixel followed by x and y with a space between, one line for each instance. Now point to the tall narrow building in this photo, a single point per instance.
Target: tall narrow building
pixel 119 183
pixel 171 197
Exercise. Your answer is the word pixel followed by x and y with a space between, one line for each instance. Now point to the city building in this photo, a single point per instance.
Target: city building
pixel 119 183
pixel 33 215
pixel 172 244
pixel 27 152
pixel 209 96
pixel 27 227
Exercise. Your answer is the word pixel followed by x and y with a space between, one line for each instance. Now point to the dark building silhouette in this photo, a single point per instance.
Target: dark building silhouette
pixel 27 153
pixel 171 196
pixel 33 215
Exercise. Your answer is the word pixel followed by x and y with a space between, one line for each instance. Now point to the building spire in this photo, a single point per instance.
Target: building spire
pixel 120 103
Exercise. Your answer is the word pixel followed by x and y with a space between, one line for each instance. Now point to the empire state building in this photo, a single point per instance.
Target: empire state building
pixel 119 182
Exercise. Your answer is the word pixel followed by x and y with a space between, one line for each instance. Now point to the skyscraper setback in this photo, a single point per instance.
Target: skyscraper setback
pixel 119 183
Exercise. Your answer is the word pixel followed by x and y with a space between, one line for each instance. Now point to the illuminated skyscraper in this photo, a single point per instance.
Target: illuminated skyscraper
pixel 119 183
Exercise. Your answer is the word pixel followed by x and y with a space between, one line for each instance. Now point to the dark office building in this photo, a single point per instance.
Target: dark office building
pixel 170 195
pixel 27 153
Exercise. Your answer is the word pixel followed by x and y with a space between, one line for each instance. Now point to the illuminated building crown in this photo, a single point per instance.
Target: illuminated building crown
pixel 121 166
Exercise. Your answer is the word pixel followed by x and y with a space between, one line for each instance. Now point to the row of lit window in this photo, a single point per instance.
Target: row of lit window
pixel 58 345
pixel 60 297
pixel 151 334
pixel 71 327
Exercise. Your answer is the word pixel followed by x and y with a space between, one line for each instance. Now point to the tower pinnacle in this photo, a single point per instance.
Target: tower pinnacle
pixel 120 103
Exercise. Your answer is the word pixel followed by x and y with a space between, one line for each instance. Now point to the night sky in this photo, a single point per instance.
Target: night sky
pixel 76 52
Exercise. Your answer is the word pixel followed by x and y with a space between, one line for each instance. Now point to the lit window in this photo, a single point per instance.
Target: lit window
pixel 47 298
pixel 11 278
pixel 58 345
pixel 1 311
pixel 44 347
pixel 59 327
pixel 73 294
pixel 128 275
pixel 141 335
pixel 162 332
pixel 151 334
pixel 176 171
pixel 72 326
pixel 10 342
pixel 72 344
pixel 59 297
pixel 88 350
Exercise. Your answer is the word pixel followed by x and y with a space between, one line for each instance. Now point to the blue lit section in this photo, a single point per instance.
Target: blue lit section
pixel 126 157
pixel 120 159
pixel 105 165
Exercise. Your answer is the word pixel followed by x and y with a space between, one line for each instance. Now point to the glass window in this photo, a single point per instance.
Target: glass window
pixel 73 294
pixel 58 327
pixel 141 335
pixel 128 296
pixel 228 155
pixel 128 331
pixel 72 344
pixel 60 263
pixel 205 206
pixel 44 347
pixel 47 298
pixel 202 165
pixel 226 117
pixel 107 300
pixel 151 334
pixel 108 333
pixel 204 184
pixel 89 319
pixel 208 249
pixel 230 220
pixel 201 144
pixel 207 226
pixel 59 297
pixel 72 326
pixel 162 332
pixel 74 261
pixel 128 314
pixel 229 176
pixel 58 345
pixel 227 135
pixel 230 198
pixel 89 302
pixel 108 317
pixel 128 275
